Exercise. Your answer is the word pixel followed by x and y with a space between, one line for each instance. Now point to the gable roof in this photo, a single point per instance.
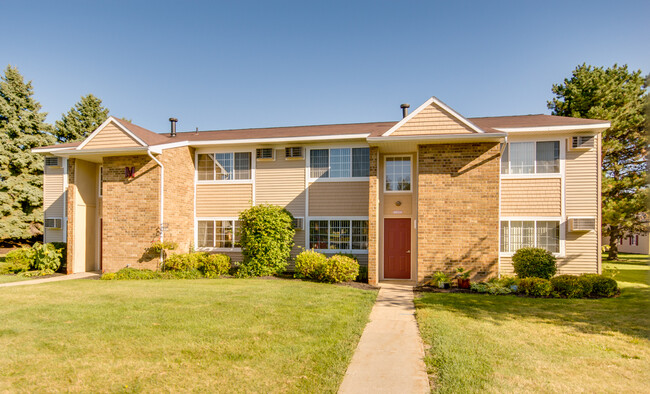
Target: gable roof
pixel 497 123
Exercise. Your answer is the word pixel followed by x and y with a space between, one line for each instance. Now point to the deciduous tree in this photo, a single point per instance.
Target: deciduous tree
pixel 620 96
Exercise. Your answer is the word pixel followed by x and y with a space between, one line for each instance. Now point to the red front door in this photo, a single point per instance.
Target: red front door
pixel 397 248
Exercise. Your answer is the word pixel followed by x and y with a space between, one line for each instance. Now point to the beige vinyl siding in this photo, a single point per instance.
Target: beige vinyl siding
pixel 111 137
pixel 531 197
pixel 222 200
pixel 281 182
pixel 433 120
pixel 582 199
pixel 338 198
pixel 53 200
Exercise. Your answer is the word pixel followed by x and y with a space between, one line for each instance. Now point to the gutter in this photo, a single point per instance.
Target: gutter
pixel 162 201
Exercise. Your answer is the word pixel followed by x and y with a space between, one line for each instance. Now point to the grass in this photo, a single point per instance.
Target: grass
pixel 226 335
pixel 479 343
pixel 8 277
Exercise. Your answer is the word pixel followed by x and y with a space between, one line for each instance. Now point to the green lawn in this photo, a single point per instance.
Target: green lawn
pixel 479 343
pixel 226 335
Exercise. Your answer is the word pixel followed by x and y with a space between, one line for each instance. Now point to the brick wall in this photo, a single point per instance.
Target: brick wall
pixel 179 196
pixel 458 209
pixel 70 214
pixel 373 208
pixel 130 213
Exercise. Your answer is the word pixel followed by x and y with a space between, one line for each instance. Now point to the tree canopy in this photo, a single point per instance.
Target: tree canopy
pixel 81 120
pixel 620 96
pixel 22 127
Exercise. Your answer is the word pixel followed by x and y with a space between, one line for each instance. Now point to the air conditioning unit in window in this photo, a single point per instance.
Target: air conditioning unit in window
pixel 582 224
pixel 265 153
pixel 293 152
pixel 51 161
pixel 53 223
pixel 298 223
pixel 582 142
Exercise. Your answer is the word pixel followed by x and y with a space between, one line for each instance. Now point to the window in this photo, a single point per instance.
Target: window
pixel 398 174
pixel 218 233
pixel 517 234
pixel 293 152
pixel 264 153
pixel 339 163
pixel 224 166
pixel 101 181
pixel 338 234
pixel 542 157
pixel 51 161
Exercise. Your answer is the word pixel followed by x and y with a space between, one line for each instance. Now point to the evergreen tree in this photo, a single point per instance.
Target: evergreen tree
pixel 620 96
pixel 22 127
pixel 81 120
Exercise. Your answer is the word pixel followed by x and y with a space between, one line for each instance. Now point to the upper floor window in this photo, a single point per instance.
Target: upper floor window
pixel 398 174
pixel 541 157
pixel 224 166
pixel 339 163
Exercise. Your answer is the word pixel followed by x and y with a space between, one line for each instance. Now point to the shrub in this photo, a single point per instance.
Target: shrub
pixel 46 257
pixel 184 262
pixel 132 274
pixel 266 240
pixel 308 264
pixel 188 274
pixel 18 260
pixel 571 286
pixel 535 287
pixel 601 286
pixel 339 269
pixel 363 274
pixel 63 247
pixel 493 288
pixel 214 265
pixel 534 263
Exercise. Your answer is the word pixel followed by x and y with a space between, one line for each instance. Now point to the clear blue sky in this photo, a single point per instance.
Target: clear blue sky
pixel 237 64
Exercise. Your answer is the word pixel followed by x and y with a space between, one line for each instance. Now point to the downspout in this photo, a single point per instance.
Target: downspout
pixel 162 201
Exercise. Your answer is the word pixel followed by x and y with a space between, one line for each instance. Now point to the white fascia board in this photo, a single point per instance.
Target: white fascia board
pixel 277 140
pixel 101 127
pixel 442 105
pixel 439 138
pixel 86 152
pixel 51 150
pixel 599 127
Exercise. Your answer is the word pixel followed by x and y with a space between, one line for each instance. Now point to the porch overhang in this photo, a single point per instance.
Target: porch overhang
pixel 96 155
pixel 410 142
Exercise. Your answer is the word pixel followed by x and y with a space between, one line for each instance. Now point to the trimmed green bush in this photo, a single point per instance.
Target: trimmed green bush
pixel 214 265
pixel 363 274
pixel 308 264
pixel 601 286
pixel 534 263
pixel 184 262
pixel 45 257
pixel 493 288
pixel 18 260
pixel 266 240
pixel 189 274
pixel 570 286
pixel 132 274
pixel 339 269
pixel 535 287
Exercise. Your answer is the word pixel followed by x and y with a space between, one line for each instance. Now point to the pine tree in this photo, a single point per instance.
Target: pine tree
pixel 22 127
pixel 81 120
pixel 620 96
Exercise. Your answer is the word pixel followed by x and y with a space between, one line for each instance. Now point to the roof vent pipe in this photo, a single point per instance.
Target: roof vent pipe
pixel 173 121
pixel 405 109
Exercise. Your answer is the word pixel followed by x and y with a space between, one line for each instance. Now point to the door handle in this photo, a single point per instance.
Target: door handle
pixel 408 251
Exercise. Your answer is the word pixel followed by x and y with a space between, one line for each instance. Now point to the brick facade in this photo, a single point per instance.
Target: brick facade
pixel 373 217
pixel 179 197
pixel 458 209
pixel 71 193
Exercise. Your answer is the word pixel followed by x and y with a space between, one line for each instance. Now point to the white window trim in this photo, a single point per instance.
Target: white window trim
pixel 536 219
pixel 560 174
pixel 213 249
pixel 410 156
pixel 221 181
pixel 328 179
pixel 328 218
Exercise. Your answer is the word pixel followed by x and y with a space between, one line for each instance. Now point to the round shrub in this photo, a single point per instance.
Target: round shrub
pixel 339 269
pixel 18 260
pixel 184 262
pixel 46 257
pixel 535 287
pixel 601 286
pixel 534 263
pixel 266 240
pixel 132 274
pixel 570 286
pixel 214 265
pixel 308 264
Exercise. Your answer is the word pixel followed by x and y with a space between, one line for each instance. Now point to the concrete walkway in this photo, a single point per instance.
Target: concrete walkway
pixel 390 354
pixel 80 275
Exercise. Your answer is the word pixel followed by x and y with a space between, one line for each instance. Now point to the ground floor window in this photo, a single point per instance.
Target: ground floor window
pixel 517 234
pixel 218 233
pixel 338 234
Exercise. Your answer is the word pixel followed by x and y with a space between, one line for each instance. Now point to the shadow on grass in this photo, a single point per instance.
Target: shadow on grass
pixel 627 314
